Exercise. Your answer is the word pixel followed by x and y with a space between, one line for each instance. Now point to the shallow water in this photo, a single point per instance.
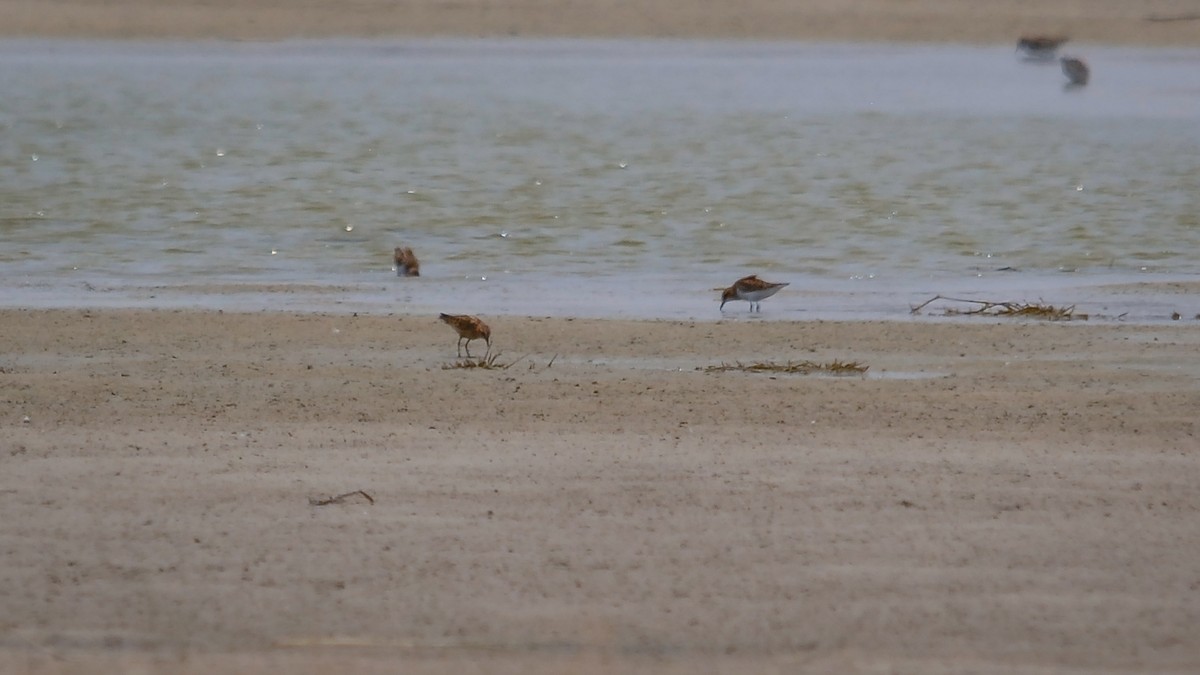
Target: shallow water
pixel 592 178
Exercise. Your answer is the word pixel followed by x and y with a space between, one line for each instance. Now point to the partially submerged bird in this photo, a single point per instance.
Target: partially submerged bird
pixel 1040 46
pixel 1076 70
pixel 751 289
pixel 407 264
pixel 468 328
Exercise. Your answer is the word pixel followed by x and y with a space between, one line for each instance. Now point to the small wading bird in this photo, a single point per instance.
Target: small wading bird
pixel 1040 47
pixel 468 328
pixel 407 264
pixel 751 289
pixel 1076 71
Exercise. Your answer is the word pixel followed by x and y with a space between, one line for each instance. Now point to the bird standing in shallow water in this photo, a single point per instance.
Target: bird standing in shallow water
pixel 1076 71
pixel 406 261
pixel 468 328
pixel 1040 47
pixel 751 289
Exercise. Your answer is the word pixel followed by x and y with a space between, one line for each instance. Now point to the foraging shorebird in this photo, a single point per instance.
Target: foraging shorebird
pixel 1076 70
pixel 751 289
pixel 468 328
pixel 406 261
pixel 1040 47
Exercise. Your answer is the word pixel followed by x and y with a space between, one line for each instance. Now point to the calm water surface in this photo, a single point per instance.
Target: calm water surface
pixel 592 178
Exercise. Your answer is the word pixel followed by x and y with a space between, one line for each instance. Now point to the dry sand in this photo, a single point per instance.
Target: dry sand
pixel 1147 22
pixel 1002 497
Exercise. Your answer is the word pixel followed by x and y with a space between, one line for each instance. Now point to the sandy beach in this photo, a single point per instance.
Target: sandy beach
pixel 1155 22
pixel 200 492
pixel 1008 497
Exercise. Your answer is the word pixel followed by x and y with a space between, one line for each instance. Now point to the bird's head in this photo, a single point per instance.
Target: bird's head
pixel 727 295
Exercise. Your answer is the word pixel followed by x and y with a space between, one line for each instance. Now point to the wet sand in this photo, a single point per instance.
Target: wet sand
pixel 1156 22
pixel 993 496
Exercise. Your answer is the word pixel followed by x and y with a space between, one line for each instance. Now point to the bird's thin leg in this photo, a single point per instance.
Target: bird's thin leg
pixel 460 347
pixel 468 348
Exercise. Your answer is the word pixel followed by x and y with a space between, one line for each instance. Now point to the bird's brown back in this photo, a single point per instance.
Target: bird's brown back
pixel 752 283
pixel 406 262
pixel 1041 42
pixel 467 326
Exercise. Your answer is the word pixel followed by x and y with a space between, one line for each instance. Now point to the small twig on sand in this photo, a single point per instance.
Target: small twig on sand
pixel 340 498
pixel 513 363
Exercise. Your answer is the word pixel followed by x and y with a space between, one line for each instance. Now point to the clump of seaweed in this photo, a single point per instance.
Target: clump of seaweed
pixel 1008 309
pixel 489 362
pixel 834 367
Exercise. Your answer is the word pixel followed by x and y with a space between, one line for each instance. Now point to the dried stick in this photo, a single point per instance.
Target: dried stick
pixel 340 498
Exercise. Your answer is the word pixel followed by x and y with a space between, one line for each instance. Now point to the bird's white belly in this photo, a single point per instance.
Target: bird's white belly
pixel 755 296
